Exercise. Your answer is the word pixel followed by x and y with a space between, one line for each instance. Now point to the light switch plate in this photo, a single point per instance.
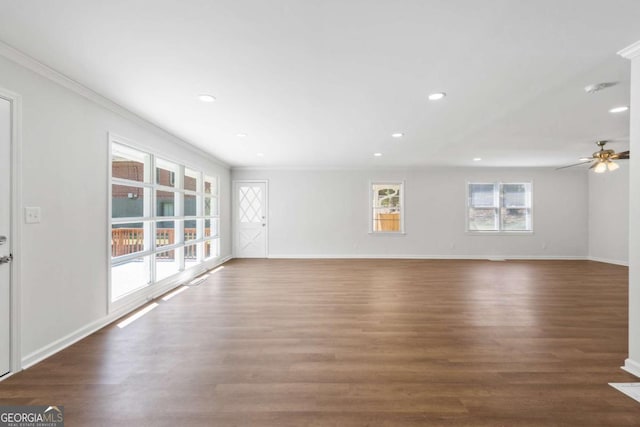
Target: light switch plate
pixel 32 215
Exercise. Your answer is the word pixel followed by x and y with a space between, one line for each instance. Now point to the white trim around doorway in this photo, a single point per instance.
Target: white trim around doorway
pixel 16 226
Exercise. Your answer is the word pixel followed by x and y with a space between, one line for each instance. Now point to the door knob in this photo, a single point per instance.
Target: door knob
pixel 3 240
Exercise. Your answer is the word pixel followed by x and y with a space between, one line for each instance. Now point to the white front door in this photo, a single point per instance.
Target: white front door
pixel 5 226
pixel 250 219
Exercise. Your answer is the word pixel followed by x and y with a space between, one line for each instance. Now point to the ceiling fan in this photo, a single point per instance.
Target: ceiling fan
pixel 602 160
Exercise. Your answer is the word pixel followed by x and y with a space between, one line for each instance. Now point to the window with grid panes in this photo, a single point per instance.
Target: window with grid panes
pixel 164 219
pixel 499 207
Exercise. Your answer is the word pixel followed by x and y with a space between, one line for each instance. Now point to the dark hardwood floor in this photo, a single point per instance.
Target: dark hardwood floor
pixel 358 342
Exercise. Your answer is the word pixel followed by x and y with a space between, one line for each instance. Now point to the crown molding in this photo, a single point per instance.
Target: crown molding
pixel 631 52
pixel 391 169
pixel 45 71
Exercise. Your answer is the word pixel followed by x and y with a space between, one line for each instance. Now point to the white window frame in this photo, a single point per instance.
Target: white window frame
pixel 497 195
pixel 150 220
pixel 371 207
pixel 213 216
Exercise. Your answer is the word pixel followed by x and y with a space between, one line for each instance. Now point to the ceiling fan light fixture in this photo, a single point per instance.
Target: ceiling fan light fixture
pixel 602 160
pixel 601 167
pixel 612 166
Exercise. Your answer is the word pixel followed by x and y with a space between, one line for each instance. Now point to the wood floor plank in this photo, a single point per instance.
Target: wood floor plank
pixel 358 342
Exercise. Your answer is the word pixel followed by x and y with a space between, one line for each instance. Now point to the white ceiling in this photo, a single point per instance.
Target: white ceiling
pixel 324 83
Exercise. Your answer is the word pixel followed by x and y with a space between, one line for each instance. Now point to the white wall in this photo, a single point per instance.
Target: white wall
pixel 325 213
pixel 633 362
pixel 609 215
pixel 64 171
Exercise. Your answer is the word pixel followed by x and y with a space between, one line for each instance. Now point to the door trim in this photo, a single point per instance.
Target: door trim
pixel 15 198
pixel 234 211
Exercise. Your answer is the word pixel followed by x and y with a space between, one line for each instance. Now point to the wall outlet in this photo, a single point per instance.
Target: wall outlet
pixel 32 215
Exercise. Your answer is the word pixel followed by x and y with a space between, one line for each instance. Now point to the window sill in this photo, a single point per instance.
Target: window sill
pixel 387 233
pixel 499 233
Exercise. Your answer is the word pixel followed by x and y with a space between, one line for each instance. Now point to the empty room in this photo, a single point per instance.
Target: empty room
pixel 319 213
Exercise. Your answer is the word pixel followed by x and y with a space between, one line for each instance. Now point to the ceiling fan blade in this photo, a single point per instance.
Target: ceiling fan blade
pixel 585 159
pixel 622 155
pixel 575 164
pixel 594 165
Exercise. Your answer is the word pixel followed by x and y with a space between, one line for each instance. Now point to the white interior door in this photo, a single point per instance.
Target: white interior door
pixel 250 219
pixel 5 225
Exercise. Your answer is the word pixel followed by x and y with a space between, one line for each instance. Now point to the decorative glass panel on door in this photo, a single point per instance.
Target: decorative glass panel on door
pixel 250 204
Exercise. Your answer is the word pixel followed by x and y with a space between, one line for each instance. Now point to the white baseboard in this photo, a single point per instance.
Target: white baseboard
pixel 632 367
pixel 64 342
pixel 609 261
pixel 412 256
pixel 70 339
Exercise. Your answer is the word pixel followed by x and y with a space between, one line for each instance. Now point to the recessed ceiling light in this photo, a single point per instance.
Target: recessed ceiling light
pixel 436 96
pixel 260 154
pixel 242 135
pixel 619 109
pixel 397 135
pixel 477 159
pixel 206 98
pixel 377 154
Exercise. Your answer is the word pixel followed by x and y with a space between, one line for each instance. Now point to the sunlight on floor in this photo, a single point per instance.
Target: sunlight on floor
pixel 126 322
pixel 174 293
pixel 199 279
pixel 215 270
